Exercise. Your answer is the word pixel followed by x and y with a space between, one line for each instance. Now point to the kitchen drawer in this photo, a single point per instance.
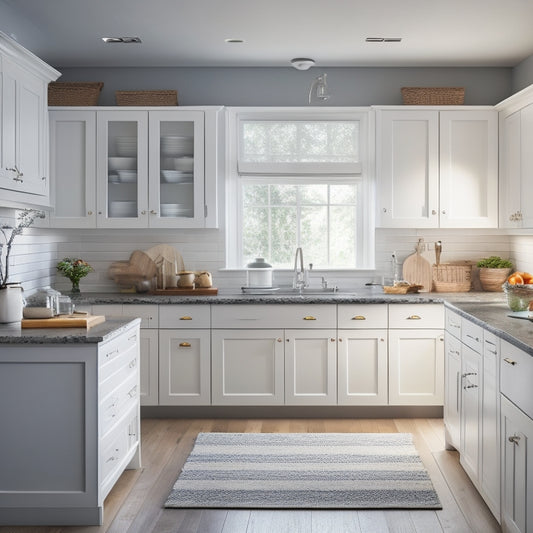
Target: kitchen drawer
pixel 472 335
pixel 148 314
pixel 272 316
pixel 185 316
pixel 363 316
pixel 115 406
pixel 416 316
pixel 114 349
pixel 453 323
pixel 118 370
pixel 516 376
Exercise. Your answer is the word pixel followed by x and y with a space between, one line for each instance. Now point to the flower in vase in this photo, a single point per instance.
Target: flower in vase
pixel 74 270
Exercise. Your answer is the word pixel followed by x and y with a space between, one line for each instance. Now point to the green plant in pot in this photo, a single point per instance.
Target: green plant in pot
pixel 493 272
pixel 74 270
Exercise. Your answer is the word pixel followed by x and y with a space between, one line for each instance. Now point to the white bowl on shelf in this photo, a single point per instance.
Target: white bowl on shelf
pixel 175 176
pixel 175 210
pixel 126 146
pixel 122 163
pixel 175 146
pixel 127 176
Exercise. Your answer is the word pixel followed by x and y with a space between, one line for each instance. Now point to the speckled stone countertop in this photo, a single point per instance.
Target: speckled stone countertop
pixel 14 334
pixel 367 295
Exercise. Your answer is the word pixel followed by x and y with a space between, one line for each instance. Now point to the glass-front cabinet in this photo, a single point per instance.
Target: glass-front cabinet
pixel 138 168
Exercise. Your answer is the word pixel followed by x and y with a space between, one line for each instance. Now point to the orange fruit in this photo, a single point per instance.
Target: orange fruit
pixel 515 279
pixel 527 277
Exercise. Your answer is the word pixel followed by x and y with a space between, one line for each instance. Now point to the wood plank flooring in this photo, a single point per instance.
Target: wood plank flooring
pixel 135 505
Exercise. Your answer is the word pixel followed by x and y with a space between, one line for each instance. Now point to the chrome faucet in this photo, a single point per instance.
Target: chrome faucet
pixel 299 281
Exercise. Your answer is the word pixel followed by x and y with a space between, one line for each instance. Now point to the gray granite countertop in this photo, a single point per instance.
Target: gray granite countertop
pixel 494 317
pixel 14 334
pixel 368 295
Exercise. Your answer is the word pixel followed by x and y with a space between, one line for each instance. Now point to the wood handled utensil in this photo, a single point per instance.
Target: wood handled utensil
pixel 438 251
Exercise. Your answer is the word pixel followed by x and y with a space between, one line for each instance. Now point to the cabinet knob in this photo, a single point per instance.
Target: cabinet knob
pixel 89 212
pixel 143 212
pixel 510 361
pixel 433 212
pixel 332 339
pixel 279 339
pixel 152 212
pixel 443 211
pixel 43 178
pixel 514 439
pixel 384 209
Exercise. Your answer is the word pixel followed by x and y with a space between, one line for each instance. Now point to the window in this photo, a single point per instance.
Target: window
pixel 297 178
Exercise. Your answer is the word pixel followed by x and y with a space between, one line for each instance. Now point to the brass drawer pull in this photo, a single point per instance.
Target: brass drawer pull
pixel 185 344
pixel 359 317
pixel 185 318
pixel 414 317
pixel 308 317
pixel 510 361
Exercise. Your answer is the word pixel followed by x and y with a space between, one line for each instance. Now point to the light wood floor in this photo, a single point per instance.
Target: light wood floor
pixel 136 503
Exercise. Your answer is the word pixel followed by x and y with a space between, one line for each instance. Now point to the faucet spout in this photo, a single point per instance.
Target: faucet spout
pixel 299 281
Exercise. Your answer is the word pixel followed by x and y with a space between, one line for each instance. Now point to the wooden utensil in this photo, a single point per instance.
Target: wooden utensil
pixel 438 251
pixel 417 270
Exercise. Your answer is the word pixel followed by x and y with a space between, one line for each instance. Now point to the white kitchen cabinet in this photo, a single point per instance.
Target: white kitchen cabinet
pixel 247 367
pixel 184 367
pixel 362 354
pixel 310 367
pixel 137 168
pixel 71 426
pixel 452 391
pixel 470 411
pixel 24 173
pixel 437 168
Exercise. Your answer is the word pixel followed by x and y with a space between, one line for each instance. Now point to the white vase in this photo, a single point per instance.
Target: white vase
pixel 11 304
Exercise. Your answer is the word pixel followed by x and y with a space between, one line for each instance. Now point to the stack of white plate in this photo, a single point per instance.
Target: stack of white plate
pixel 122 209
pixel 176 210
pixel 176 146
pixel 122 163
pixel 175 176
pixel 113 178
pixel 184 163
pixel 126 146
pixel 127 176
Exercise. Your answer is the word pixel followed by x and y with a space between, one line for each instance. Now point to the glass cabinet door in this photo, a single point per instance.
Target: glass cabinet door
pixel 176 169
pixel 122 139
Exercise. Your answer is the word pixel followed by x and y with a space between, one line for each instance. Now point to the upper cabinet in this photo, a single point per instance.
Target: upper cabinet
pixel 24 176
pixel 516 160
pixel 437 168
pixel 135 167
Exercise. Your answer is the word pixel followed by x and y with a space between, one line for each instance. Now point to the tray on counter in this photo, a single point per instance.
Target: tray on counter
pixel 63 321
pixel 178 291
pixel 520 314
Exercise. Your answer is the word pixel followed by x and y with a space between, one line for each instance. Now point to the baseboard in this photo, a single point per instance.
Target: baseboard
pixel 344 411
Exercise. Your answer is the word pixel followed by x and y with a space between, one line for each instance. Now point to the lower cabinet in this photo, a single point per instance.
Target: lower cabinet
pixel 184 367
pixel 149 356
pixel 452 391
pixel 247 367
pixel 311 367
pixel 416 367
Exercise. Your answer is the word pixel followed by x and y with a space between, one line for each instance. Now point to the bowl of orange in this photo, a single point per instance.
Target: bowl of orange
pixel 519 290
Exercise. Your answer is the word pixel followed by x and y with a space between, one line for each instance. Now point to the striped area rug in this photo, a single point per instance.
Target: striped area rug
pixel 304 471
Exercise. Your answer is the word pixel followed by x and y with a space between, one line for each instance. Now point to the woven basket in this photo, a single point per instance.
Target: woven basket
pixel 74 93
pixel 147 98
pixel 452 277
pixel 492 279
pixel 433 95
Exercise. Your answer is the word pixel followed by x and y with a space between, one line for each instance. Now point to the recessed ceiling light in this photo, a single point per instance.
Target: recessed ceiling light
pixel 234 40
pixel 302 63
pixel 125 40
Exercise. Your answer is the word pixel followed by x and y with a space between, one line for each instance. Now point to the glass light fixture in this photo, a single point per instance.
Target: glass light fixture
pixel 319 89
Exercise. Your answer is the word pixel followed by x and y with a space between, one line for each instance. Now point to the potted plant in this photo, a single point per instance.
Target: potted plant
pixel 74 270
pixel 493 272
pixel 11 303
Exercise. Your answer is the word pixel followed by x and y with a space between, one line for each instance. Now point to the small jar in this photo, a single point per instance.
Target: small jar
pixel 259 274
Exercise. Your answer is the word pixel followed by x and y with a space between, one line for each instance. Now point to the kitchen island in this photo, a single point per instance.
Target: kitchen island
pixel 69 419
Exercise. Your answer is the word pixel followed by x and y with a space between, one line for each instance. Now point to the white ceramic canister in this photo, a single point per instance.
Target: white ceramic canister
pixel 259 274
pixel 11 304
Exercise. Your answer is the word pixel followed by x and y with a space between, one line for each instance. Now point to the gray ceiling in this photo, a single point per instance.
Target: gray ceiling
pixel 67 33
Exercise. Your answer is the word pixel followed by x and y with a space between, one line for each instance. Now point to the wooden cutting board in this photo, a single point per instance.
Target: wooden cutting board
pixel 417 270
pixel 63 321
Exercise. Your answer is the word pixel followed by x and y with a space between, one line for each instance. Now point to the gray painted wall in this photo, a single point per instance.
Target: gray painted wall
pixel 522 74
pixel 289 87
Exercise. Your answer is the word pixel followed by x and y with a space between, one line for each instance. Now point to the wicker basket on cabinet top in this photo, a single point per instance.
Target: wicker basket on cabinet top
pixel 452 277
pixel 147 98
pixel 74 93
pixel 433 95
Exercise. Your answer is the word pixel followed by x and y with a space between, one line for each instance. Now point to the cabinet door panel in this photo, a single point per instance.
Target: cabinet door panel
pixel 184 367
pixel 149 355
pixel 526 166
pixel 247 367
pixel 452 390
pixel 416 367
pixel 407 168
pixel 362 373
pixel 310 367
pixel 468 169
